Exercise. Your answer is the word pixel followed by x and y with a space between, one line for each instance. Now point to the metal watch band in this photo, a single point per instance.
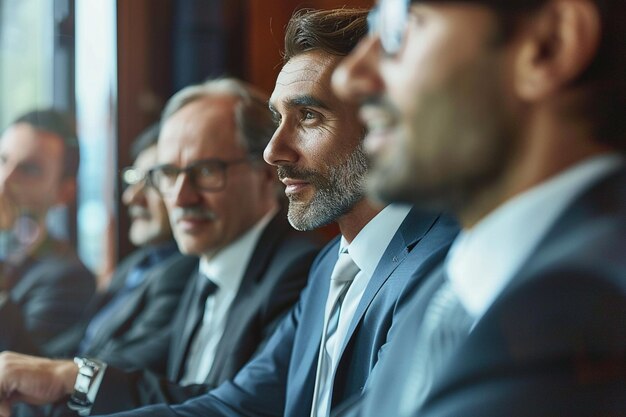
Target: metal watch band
pixel 88 369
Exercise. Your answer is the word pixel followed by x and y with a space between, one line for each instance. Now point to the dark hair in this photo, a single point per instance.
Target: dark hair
pixel 60 124
pixel 334 31
pixel 147 138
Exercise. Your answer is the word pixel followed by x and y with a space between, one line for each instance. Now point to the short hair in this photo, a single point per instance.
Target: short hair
pixel 252 116
pixel 147 138
pixel 335 31
pixel 60 124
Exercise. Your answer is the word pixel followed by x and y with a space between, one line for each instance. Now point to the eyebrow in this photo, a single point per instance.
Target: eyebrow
pixel 305 100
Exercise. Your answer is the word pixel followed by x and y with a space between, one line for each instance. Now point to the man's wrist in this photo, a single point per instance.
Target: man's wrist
pixel 68 372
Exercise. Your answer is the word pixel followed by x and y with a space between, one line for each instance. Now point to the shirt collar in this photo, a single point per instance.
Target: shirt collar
pixel 369 245
pixel 484 259
pixel 227 267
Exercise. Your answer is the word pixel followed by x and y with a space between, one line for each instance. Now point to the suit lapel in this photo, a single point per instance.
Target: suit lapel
pixel 262 255
pixel 118 321
pixel 411 231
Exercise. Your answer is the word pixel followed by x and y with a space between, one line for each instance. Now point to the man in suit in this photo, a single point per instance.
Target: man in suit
pixel 128 325
pixel 511 113
pixel 44 287
pixel 223 206
pixel 324 350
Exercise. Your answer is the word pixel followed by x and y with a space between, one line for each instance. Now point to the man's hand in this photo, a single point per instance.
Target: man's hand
pixel 33 380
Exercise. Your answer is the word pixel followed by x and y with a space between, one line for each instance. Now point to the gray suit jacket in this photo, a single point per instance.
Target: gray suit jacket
pixel 137 335
pixel 48 295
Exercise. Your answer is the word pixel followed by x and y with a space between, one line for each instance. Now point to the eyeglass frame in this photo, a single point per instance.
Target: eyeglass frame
pixel 188 170
pixel 143 181
pixel 397 25
pixel 389 24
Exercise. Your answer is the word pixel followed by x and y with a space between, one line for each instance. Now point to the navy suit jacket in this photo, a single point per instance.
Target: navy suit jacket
pixel 554 341
pixel 280 380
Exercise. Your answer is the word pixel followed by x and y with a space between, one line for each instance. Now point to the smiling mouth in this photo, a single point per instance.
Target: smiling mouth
pixel 293 186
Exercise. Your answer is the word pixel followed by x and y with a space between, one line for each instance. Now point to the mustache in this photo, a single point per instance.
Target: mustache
pixel 194 212
pixel 296 173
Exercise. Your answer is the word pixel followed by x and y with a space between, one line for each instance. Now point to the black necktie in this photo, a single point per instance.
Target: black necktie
pixel 204 288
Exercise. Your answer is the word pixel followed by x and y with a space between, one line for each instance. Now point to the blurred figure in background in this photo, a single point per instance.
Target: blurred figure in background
pixel 128 324
pixel 223 207
pixel 44 287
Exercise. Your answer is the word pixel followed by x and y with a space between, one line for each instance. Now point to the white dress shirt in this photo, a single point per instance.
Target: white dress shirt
pixel 484 259
pixel 366 251
pixel 226 269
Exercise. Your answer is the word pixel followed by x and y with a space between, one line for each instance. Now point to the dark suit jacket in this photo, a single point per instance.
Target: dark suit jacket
pixel 137 335
pixel 275 275
pixel 48 295
pixel 280 380
pixel 554 341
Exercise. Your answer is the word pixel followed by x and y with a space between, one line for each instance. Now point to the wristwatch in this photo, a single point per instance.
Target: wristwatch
pixel 88 370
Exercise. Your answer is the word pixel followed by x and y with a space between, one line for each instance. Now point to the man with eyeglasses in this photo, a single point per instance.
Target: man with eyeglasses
pixel 223 206
pixel 510 113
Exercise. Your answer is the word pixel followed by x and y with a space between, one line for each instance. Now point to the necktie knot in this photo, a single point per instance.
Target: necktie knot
pixel 345 269
pixel 205 287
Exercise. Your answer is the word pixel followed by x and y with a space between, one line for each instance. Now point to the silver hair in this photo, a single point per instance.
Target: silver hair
pixel 252 116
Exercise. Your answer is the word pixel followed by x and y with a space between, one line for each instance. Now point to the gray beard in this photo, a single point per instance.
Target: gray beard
pixel 334 196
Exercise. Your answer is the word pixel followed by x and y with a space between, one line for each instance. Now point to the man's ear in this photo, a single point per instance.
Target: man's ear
pixel 557 45
pixel 67 191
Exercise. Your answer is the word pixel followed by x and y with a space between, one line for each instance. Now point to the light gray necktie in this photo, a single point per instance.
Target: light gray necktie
pixel 446 323
pixel 341 278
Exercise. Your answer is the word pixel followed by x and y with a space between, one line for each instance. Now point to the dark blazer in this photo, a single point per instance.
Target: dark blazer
pixel 138 334
pixel 554 341
pixel 280 380
pixel 48 295
pixel 275 275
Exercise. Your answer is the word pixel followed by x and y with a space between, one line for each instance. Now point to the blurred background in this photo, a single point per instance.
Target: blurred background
pixel 113 64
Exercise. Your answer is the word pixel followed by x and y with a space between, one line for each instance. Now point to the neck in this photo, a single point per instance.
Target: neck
pixel 544 150
pixel 351 223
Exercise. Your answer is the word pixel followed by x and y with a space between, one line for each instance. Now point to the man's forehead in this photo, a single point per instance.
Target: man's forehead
pixel 306 74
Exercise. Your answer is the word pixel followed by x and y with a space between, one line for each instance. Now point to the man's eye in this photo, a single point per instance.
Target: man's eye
pixel 308 115
pixel 205 171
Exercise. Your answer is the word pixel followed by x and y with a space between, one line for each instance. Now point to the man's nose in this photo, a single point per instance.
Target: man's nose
pixel 357 76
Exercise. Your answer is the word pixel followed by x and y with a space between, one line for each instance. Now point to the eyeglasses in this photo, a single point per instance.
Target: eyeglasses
pixel 206 175
pixel 388 21
pixel 133 176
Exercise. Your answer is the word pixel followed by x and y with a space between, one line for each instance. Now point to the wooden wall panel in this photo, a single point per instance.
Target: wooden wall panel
pixel 266 33
pixel 144 83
